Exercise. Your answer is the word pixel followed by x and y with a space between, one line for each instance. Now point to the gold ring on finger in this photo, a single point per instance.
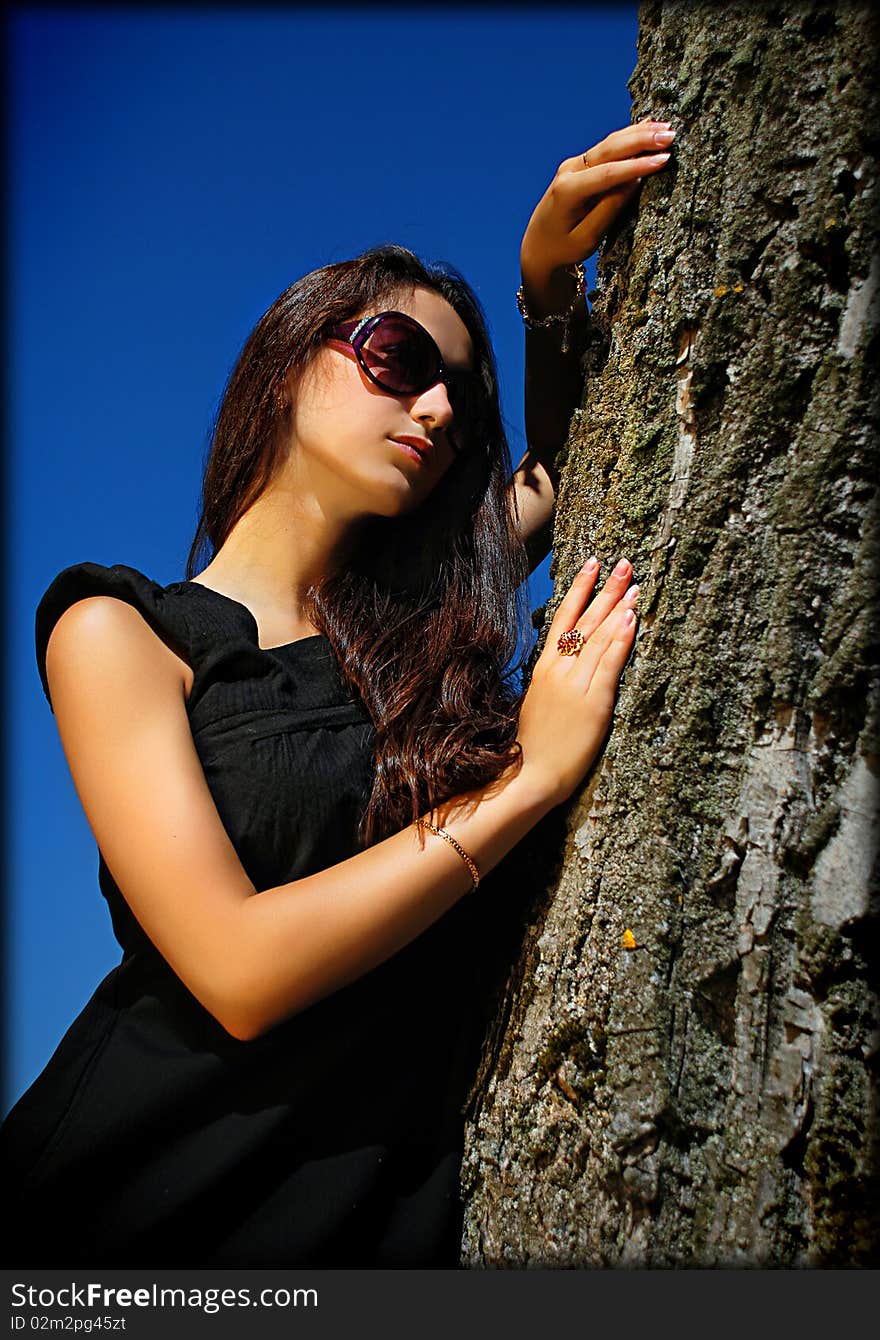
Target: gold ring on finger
pixel 570 643
pixel 586 159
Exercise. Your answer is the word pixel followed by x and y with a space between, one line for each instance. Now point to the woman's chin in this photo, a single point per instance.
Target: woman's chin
pixel 399 499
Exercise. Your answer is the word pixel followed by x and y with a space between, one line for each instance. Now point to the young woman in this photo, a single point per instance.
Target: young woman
pixel 299 763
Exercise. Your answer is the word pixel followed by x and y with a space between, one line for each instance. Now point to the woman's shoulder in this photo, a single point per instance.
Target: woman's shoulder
pixel 156 605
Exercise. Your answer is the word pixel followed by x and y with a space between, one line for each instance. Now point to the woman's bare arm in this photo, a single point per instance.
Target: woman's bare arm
pixel 252 957
pixel 577 209
pixel 553 387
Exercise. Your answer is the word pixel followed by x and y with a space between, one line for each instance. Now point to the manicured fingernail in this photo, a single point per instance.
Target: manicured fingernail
pixel 659 159
pixel 628 619
pixel 664 138
pixel 622 568
pixel 632 595
pixel 591 564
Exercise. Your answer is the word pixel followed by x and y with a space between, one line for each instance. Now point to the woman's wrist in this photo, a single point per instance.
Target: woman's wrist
pixel 520 797
pixel 552 305
pixel 538 791
pixel 534 792
pixel 548 290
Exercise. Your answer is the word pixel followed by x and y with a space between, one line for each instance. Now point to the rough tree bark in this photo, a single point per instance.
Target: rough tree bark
pixel 706 1097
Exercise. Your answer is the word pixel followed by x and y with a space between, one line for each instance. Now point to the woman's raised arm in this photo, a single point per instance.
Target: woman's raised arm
pixel 252 958
pixel 579 206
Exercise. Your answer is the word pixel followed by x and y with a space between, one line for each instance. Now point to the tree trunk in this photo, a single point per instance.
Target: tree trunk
pixel 682 1067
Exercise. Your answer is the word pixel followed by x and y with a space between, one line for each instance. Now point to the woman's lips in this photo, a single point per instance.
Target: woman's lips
pixel 416 447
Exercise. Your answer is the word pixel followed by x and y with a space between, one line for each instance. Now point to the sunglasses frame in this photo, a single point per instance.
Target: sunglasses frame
pixel 356 333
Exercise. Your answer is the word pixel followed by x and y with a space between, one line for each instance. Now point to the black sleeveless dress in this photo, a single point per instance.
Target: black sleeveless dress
pixel 154 1138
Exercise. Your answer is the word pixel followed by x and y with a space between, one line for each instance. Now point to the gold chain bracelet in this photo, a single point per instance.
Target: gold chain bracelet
pixel 468 860
pixel 563 319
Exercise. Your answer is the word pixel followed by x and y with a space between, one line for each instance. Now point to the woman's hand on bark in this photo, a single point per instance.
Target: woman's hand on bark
pixel 584 198
pixel 566 713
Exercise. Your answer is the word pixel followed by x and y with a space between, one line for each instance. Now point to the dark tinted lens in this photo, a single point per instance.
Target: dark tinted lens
pixel 401 356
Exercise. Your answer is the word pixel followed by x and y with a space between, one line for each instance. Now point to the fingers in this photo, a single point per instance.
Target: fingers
pixel 575 188
pixel 573 610
pixel 615 590
pixel 618 162
pixel 586 235
pixel 610 662
pixel 646 137
pixel 603 656
pixel 572 604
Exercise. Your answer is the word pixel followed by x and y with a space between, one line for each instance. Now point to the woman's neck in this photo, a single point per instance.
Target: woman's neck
pixel 282 545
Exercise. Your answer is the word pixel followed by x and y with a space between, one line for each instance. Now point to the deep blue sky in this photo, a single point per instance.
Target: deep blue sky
pixel 171 172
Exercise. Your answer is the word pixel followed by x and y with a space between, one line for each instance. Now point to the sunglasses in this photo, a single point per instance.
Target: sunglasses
pixel 398 355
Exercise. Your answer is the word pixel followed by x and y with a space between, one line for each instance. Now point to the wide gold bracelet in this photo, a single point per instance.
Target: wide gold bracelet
pixel 468 860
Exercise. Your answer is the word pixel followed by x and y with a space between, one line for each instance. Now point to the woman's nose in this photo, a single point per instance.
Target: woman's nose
pixel 433 404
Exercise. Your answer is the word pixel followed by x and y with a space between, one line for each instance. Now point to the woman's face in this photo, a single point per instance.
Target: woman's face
pixel 349 437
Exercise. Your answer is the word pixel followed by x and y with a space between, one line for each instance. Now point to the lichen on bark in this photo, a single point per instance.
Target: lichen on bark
pixel 707 1097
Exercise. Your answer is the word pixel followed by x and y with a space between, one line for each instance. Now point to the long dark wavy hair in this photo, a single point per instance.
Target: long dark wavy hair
pixel 428 618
